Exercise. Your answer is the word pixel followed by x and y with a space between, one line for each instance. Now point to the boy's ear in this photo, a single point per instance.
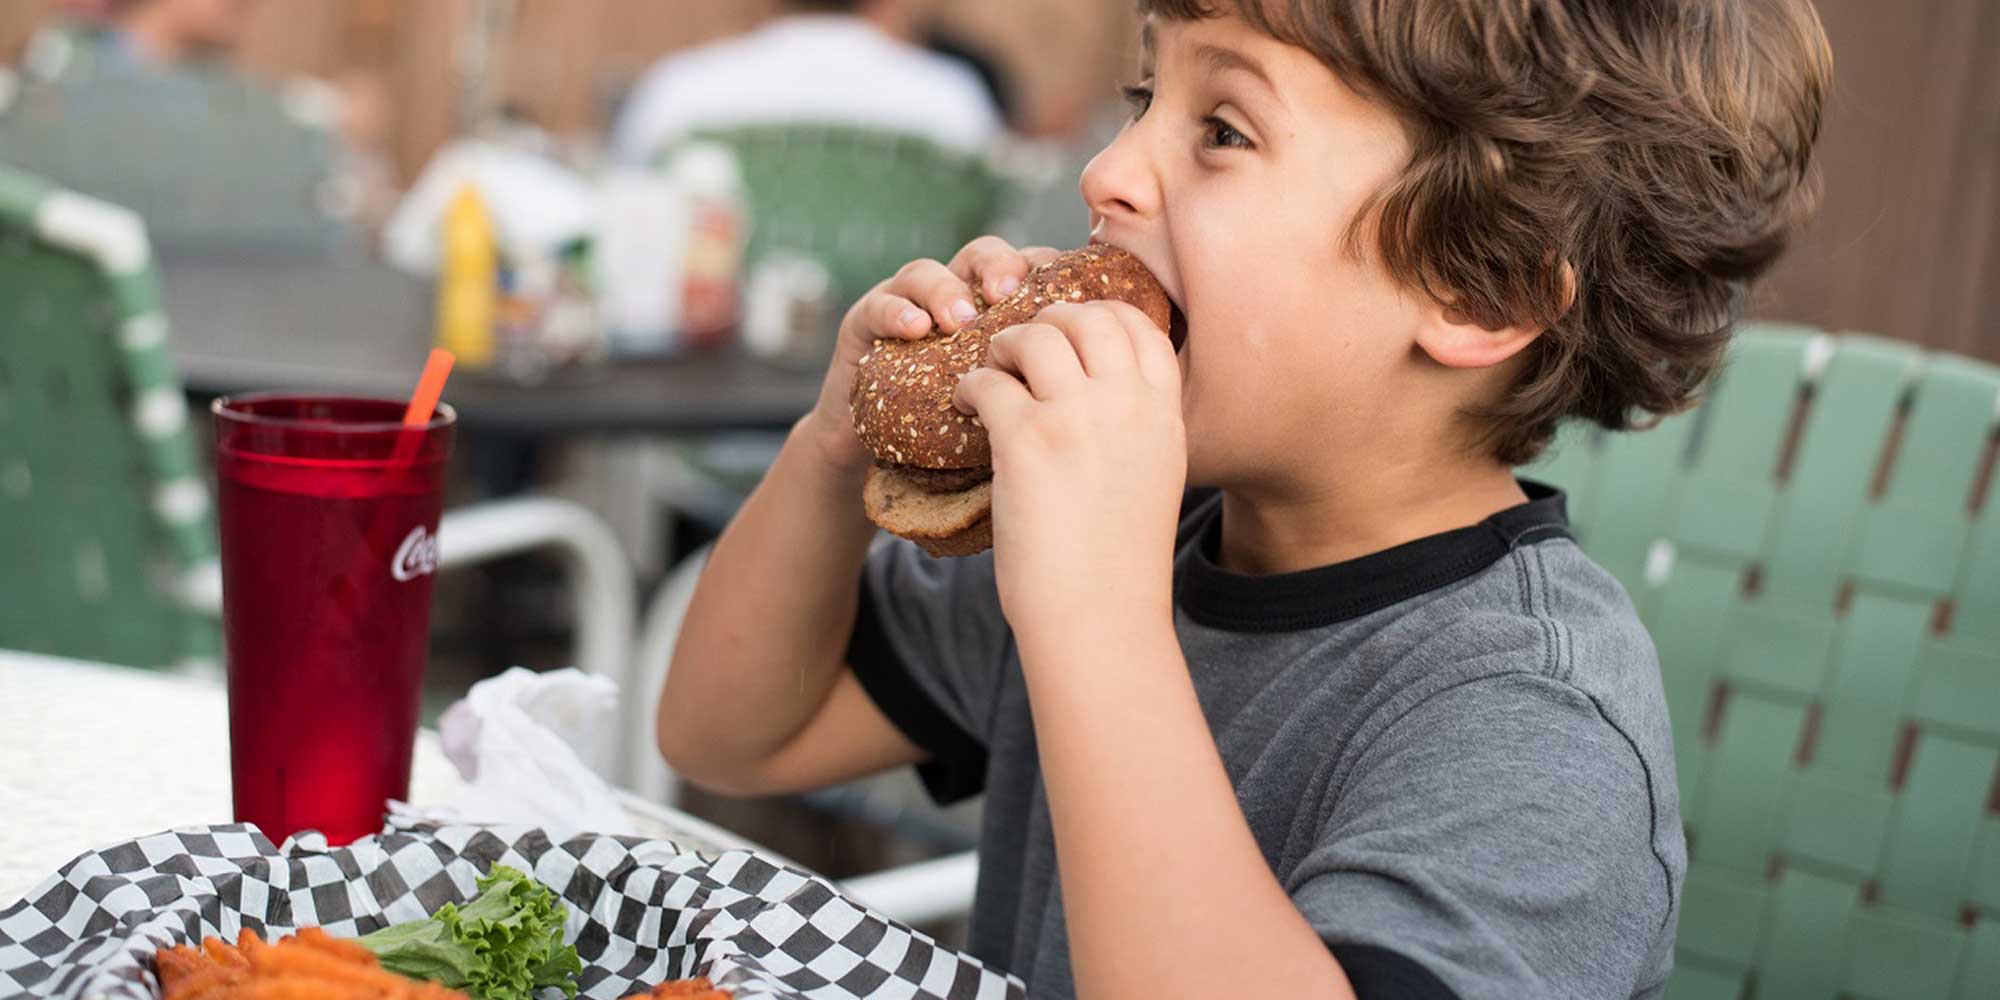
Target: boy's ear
pixel 1452 339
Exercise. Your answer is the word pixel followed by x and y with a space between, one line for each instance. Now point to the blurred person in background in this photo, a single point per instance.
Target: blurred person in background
pixel 839 61
pixel 153 36
pixel 218 160
pixel 985 65
pixel 137 36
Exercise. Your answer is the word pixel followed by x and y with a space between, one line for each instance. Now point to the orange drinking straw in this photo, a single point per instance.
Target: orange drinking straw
pixel 430 386
pixel 423 403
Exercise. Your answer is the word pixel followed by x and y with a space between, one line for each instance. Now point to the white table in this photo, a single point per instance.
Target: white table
pixel 92 755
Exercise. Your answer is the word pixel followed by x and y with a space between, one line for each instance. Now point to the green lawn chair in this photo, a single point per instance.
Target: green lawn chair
pixel 861 201
pixel 1829 632
pixel 106 533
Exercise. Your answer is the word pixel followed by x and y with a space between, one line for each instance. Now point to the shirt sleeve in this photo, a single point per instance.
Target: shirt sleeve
pixel 930 646
pixel 1498 837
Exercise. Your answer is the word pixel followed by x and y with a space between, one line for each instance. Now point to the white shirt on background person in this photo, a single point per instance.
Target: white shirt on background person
pixel 830 68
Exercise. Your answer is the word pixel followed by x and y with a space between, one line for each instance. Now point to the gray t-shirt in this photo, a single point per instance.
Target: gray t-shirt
pixel 1454 754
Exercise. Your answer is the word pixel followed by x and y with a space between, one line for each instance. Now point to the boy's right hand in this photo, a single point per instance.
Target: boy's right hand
pixel 922 298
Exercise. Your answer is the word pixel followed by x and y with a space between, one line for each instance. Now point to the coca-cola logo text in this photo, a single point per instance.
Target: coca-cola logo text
pixel 417 556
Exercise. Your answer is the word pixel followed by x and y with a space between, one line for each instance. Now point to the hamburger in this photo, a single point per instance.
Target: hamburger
pixel 932 481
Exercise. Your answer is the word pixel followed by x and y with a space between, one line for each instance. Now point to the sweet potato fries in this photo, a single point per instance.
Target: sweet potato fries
pixel 307 966
pixel 682 989
pixel 311 965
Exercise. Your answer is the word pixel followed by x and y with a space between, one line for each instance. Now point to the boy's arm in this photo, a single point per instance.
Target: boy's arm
pixel 1089 461
pixel 1165 889
pixel 757 699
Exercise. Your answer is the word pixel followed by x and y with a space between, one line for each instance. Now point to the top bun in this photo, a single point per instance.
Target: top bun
pixel 902 389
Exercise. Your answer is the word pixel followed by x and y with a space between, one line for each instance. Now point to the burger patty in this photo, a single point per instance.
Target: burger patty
pixel 941 480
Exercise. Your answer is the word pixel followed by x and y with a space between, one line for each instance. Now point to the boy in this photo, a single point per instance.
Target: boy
pixel 1366 723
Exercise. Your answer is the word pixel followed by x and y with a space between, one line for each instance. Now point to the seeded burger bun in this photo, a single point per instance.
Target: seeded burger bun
pixel 933 477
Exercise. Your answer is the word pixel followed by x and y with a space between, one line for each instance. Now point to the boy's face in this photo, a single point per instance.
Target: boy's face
pixel 1237 183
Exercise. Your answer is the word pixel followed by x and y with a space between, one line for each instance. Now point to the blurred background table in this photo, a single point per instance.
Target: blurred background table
pixel 243 324
pixel 98 754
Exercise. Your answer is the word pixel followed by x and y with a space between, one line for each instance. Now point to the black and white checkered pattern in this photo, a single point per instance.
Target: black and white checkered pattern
pixel 641 911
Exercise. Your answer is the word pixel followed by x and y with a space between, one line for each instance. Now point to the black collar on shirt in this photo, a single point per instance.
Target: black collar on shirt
pixel 1325 595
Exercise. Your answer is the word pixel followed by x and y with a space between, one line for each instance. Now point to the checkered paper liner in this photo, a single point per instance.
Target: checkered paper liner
pixel 640 912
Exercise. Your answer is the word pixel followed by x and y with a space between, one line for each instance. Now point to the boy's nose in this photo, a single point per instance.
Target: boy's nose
pixel 1120 185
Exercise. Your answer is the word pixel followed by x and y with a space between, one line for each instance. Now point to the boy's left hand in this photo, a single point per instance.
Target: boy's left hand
pixel 1083 409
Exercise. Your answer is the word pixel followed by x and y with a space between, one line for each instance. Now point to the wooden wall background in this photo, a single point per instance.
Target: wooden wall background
pixel 1907 243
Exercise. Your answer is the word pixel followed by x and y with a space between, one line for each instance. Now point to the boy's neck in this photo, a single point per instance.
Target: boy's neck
pixel 1360 514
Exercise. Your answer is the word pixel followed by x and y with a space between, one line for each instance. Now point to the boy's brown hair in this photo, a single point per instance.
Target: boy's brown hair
pixel 1658 150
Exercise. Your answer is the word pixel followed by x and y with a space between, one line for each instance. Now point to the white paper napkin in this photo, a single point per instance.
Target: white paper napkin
pixel 530 746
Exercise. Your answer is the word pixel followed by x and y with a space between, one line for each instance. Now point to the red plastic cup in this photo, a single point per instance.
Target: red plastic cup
pixel 328 550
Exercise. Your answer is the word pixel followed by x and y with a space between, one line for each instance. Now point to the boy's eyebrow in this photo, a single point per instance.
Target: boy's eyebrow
pixel 1221 60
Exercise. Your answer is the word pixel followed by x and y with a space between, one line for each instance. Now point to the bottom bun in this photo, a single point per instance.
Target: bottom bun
pixel 957 523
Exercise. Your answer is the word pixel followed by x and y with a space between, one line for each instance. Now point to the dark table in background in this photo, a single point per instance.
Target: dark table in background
pixel 249 324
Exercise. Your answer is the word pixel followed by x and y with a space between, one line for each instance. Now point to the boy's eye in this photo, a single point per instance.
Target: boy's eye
pixel 1140 98
pixel 1219 134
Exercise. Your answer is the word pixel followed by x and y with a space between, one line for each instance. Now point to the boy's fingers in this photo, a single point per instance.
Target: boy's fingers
pixel 1040 355
pixel 1096 334
pixel 1158 364
pixel 993 396
pixel 994 264
pixel 891 315
pixel 939 291
pixel 965 263
pixel 1037 256
pixel 1151 346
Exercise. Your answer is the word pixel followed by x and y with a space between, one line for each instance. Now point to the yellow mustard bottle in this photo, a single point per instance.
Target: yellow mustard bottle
pixel 467 280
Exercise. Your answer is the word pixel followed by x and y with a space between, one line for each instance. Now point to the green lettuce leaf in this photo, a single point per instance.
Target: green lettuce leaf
pixel 505 945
